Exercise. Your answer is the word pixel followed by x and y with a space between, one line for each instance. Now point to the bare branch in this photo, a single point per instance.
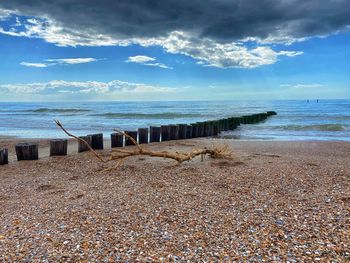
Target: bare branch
pixel 80 139
pixel 222 152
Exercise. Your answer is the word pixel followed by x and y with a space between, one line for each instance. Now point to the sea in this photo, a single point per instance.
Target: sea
pixel 326 120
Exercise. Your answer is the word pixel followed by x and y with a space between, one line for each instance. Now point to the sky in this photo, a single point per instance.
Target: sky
pixel 73 50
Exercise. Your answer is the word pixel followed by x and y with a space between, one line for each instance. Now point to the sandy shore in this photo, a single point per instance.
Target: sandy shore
pixel 276 201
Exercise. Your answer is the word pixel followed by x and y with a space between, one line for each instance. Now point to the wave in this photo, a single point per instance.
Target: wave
pixel 164 115
pixel 58 110
pixel 315 127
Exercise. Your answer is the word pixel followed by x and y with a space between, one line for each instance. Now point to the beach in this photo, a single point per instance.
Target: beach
pixel 279 201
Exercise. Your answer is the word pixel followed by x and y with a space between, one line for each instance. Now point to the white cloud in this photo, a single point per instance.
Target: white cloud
pixel 34 65
pixel 302 86
pixel 290 53
pixel 87 87
pixel 72 60
pixel 147 61
pixel 211 53
pixel 60 61
pixel 207 51
pixel 4 14
pixel 140 59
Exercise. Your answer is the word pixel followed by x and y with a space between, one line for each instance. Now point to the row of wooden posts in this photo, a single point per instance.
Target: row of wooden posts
pixel 30 151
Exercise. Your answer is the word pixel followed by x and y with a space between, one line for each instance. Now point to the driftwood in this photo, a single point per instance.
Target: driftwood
pixel 119 155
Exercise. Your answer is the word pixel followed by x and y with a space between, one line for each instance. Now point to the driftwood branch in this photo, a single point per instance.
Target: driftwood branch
pixel 119 155
pixel 58 123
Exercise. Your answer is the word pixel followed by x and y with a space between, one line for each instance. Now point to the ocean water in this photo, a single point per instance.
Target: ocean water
pixel 296 119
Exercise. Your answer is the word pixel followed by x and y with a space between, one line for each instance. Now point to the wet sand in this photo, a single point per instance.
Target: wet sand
pixel 275 201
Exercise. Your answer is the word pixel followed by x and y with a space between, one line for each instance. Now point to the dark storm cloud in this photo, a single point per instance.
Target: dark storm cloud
pixel 221 20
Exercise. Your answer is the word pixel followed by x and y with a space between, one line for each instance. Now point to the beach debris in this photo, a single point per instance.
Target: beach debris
pixel 218 152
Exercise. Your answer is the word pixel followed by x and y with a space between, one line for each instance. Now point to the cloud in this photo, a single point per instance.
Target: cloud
pixel 302 86
pixel 226 26
pixel 221 20
pixel 147 61
pixel 59 61
pixel 71 61
pixel 140 59
pixel 4 14
pixel 211 53
pixel 87 87
pixel 34 65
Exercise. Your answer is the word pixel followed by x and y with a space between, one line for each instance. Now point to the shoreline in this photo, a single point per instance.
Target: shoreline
pixel 44 144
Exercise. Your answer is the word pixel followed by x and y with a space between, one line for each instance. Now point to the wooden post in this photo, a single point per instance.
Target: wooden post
pixel 143 135
pixel 245 119
pixel 189 132
pixel 132 134
pixel 194 130
pixel 219 126
pixel 225 124
pixel 165 131
pixel 27 151
pixel 82 147
pixel 215 128
pixel 237 122
pixel 174 132
pixel 251 119
pixel 200 129
pixel 182 131
pixel 208 128
pixel 96 141
pixel 4 156
pixel 117 140
pixel 154 134
pixel 58 147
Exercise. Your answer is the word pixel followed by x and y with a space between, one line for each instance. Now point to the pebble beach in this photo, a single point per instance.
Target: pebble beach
pixel 273 202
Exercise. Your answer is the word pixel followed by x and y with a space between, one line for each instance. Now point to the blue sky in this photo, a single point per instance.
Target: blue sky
pixel 42 59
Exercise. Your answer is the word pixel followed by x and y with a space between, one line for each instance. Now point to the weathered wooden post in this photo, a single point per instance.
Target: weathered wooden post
pixel 210 128
pixel 251 119
pixel 82 147
pixel 194 130
pixel 257 117
pixel 215 128
pixel 200 129
pixel 244 119
pixel 154 134
pixel 225 124
pixel 219 126
pixel 165 131
pixel 96 141
pixel 27 151
pixel 4 156
pixel 264 116
pixel 189 132
pixel 58 147
pixel 174 132
pixel 117 140
pixel 132 134
pixel 182 131
pixel 143 135
pixel 237 122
